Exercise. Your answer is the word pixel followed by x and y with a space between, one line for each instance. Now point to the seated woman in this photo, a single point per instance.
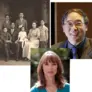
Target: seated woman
pixel 33 41
pixel 50 77
pixel 22 37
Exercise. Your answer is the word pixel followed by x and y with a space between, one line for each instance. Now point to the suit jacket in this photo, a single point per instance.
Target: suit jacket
pixel 7 25
pixel 14 35
pixel 23 22
pixel 5 36
pixel 87 49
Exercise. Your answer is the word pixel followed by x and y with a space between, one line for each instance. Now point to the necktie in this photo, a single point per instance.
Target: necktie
pixel 74 53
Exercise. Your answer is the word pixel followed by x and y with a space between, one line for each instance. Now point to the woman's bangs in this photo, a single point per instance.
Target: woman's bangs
pixel 50 59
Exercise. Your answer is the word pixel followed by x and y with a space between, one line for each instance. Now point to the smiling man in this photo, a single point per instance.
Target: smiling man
pixel 75 26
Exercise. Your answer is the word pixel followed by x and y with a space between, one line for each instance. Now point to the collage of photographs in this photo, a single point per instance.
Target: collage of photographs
pixel 39 39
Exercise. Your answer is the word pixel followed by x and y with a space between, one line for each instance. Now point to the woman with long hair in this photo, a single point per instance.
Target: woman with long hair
pixel 50 74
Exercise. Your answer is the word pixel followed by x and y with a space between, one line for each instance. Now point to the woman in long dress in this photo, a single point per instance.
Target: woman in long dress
pixel 33 41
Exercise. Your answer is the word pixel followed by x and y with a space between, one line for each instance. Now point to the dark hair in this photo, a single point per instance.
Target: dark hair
pixel 50 56
pixel 21 12
pixel 42 20
pixel 7 15
pixel 5 27
pixel 34 21
pixel 79 11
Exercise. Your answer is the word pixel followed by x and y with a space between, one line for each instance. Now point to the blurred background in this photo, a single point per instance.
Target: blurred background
pixel 36 55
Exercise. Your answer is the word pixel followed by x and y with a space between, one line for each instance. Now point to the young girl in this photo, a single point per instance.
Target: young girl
pixel 22 37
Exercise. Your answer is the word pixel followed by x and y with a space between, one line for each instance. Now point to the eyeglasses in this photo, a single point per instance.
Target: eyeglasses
pixel 71 23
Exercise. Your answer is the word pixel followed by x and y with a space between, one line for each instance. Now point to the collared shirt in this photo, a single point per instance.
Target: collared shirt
pixel 43 33
pixel 79 48
pixel 12 31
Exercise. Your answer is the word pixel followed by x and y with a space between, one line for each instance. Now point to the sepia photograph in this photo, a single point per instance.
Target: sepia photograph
pixel 24 24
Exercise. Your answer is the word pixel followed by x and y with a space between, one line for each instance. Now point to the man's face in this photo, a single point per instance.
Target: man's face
pixel 42 22
pixel 7 17
pixel 13 25
pixel 21 15
pixel 74 28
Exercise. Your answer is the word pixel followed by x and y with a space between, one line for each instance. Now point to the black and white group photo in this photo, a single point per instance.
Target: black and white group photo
pixel 24 24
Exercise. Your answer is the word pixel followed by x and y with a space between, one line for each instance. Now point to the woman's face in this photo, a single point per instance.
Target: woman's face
pixel 34 25
pixel 49 69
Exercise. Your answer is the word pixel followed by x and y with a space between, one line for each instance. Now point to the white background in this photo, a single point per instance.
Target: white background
pixel 14 78
pixel 81 75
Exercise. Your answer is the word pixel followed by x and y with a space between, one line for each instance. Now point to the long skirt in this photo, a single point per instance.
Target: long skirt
pixel 27 48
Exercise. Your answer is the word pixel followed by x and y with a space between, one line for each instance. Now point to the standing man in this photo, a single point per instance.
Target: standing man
pixel 21 22
pixel 7 22
pixel 43 35
pixel 75 25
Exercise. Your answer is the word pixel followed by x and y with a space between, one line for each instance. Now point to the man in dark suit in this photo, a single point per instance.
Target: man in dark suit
pixel 6 40
pixel 75 25
pixel 14 36
pixel 21 22
pixel 7 22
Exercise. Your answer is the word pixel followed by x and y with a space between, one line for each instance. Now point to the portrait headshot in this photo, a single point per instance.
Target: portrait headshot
pixel 71 28
pixel 51 72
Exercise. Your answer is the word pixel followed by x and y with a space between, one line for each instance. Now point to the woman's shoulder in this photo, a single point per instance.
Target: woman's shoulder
pixel 66 88
pixel 67 85
pixel 34 89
